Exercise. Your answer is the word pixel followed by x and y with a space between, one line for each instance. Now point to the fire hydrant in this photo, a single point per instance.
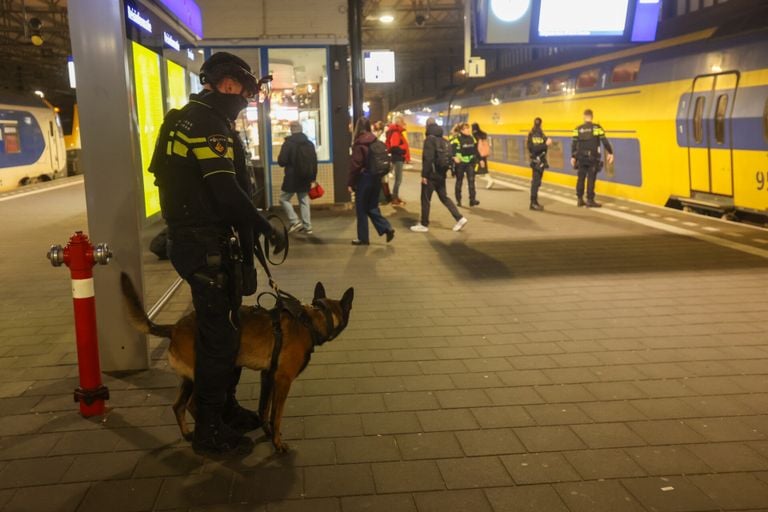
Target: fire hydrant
pixel 80 256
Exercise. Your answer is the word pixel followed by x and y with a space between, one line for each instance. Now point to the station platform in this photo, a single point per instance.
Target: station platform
pixel 566 360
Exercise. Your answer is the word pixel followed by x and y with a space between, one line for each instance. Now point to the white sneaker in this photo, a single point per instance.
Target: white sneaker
pixel 418 228
pixel 460 224
pixel 295 227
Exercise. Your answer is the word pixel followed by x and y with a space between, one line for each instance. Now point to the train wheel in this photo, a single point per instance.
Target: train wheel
pixel 23 182
pixel 43 178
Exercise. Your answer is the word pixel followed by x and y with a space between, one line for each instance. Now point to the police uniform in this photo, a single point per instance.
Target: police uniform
pixel 201 172
pixel 465 149
pixel 586 150
pixel 537 148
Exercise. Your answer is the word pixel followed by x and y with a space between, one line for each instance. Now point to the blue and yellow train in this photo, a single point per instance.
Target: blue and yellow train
pixel 687 116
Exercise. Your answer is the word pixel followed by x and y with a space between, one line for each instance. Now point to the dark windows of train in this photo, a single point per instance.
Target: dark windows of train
pixel 558 85
pixel 10 140
pixel 626 72
pixel 534 88
pixel 698 120
pixel 722 106
pixel 514 91
pixel 497 148
pixel 556 155
pixel 515 153
pixel 588 79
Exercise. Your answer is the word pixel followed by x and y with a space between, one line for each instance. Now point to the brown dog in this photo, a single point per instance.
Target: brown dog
pixel 302 330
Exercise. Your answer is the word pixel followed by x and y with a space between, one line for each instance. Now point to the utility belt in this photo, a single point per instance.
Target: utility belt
pixel 590 158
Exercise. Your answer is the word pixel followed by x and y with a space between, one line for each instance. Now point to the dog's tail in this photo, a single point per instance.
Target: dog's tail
pixel 136 314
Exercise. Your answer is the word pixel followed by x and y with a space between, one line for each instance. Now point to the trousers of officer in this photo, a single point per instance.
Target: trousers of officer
pixel 203 258
pixel 467 169
pixel 536 177
pixel 586 172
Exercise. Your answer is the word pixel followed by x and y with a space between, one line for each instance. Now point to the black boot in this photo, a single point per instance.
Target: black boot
pixel 581 202
pixel 536 206
pixel 214 438
pixel 591 203
pixel 240 419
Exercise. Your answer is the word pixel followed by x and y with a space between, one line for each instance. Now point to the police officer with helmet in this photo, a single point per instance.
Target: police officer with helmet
pixel 586 157
pixel 200 169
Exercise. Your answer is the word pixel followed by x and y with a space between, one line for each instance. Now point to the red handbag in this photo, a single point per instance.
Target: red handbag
pixel 316 192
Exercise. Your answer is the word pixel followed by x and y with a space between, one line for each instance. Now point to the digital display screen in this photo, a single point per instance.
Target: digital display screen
pixel 569 18
pixel 177 85
pixel 379 67
pixel 149 108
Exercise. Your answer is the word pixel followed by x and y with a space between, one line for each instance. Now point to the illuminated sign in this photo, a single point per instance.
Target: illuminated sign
pixel 135 16
pixel 379 67
pixel 190 54
pixel 171 41
pixel 177 85
pixel 188 13
pixel 149 109
pixel 71 70
pixel 548 22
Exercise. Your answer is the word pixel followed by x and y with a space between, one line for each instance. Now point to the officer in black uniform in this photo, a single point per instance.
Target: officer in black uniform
pixel 200 169
pixel 538 146
pixel 586 157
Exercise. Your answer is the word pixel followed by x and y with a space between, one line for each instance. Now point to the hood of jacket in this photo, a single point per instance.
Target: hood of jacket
pixel 395 128
pixel 365 138
pixel 435 130
pixel 297 137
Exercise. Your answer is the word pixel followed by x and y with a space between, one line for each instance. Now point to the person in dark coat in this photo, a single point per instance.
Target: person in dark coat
pixel 299 158
pixel 538 146
pixel 366 186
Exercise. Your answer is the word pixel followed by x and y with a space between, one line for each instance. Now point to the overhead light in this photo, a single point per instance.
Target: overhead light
pixel 386 18
pixel 40 93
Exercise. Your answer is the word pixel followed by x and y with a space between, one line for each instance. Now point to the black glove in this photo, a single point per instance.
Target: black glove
pixel 278 240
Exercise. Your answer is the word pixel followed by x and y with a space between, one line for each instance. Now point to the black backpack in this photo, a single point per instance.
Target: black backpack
pixel 305 161
pixel 443 156
pixel 379 161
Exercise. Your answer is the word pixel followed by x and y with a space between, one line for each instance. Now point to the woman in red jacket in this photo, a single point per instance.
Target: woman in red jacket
pixel 366 185
pixel 400 152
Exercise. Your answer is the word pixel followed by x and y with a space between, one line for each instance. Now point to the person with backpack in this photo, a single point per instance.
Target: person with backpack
pixel 538 145
pixel 397 144
pixel 370 161
pixel 299 158
pixel 437 158
pixel 465 156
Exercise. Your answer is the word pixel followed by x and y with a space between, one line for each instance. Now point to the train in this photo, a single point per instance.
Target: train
pixel 32 145
pixel 687 117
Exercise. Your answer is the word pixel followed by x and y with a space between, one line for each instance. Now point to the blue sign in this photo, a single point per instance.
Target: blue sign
pixel 187 12
pixel 138 19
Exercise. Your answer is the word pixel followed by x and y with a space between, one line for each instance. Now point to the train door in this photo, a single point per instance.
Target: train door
pixel 53 148
pixel 709 135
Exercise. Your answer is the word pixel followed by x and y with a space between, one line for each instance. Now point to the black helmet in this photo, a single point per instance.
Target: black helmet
pixel 221 65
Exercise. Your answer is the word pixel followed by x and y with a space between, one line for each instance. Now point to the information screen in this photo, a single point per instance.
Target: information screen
pixel 379 67
pixel 568 18
pixel 177 85
pixel 149 107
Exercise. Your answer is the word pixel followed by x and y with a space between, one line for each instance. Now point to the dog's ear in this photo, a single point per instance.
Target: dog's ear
pixel 319 291
pixel 347 298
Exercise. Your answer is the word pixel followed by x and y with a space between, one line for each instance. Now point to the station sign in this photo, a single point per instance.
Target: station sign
pixel 379 66
pixel 564 22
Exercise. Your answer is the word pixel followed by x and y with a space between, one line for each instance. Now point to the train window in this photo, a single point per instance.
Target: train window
pixel 626 72
pixel 765 120
pixel 557 85
pixel 11 140
pixel 722 106
pixel 515 153
pixel 534 88
pixel 588 79
pixel 698 118
pixel 514 91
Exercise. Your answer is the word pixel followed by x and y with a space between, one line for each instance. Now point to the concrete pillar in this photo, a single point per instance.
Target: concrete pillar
pixel 111 160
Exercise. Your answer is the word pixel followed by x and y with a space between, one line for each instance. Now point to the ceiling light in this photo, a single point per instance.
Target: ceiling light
pixel 386 18
pixel 40 93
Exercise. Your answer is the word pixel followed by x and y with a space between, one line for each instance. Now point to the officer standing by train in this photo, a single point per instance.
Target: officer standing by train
pixel 587 159
pixel 200 169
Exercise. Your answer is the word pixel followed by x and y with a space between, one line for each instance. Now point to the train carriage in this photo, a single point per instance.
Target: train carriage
pixel 31 142
pixel 688 118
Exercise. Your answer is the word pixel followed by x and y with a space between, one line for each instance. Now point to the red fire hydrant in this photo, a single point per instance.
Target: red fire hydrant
pixel 80 256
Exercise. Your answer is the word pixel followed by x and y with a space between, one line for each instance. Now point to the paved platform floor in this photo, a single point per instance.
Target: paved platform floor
pixel 569 360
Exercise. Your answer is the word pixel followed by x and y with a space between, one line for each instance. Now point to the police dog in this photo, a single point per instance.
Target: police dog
pixel 320 322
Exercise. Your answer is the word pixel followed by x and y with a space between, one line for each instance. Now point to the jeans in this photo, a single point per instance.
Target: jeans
pixel 285 200
pixel 469 170
pixel 398 167
pixel 588 173
pixel 436 185
pixel 538 173
pixel 367 206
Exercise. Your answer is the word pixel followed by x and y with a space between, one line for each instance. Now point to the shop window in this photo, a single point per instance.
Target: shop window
pixel 588 79
pixel 10 140
pixel 534 88
pixel 558 85
pixel 300 93
pixel 722 106
pixel 698 120
pixel 626 72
